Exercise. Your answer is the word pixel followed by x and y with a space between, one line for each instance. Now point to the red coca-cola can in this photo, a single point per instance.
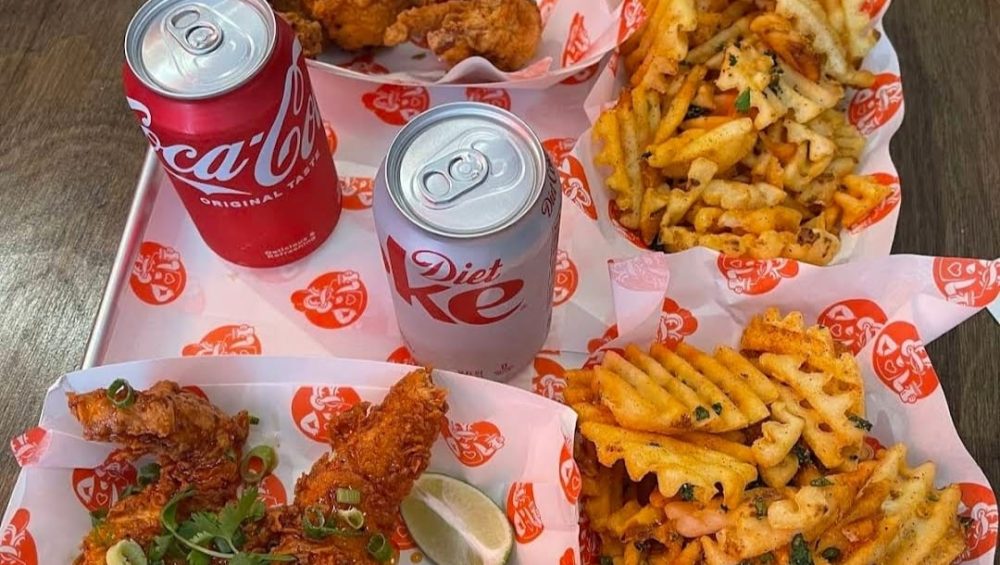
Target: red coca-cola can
pixel 467 213
pixel 221 91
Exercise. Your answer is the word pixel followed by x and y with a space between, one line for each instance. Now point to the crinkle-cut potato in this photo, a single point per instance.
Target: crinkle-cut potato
pixel 736 457
pixel 757 89
pixel 674 463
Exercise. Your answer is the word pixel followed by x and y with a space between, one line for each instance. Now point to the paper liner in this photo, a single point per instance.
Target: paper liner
pixel 512 445
pixel 575 37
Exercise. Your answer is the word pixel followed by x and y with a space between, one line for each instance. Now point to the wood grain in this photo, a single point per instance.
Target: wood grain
pixel 70 155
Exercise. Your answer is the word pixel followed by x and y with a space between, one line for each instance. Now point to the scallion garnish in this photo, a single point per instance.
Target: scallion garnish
pixel 97 516
pixel 379 548
pixel 125 552
pixel 348 496
pixel 149 474
pixel 314 523
pixel 254 420
pixel 121 394
pixel 353 517
pixel 258 463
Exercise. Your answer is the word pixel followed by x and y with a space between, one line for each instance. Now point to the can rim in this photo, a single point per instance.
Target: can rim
pixel 416 125
pixel 141 20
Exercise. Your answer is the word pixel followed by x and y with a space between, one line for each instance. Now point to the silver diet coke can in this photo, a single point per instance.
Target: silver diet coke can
pixel 467 212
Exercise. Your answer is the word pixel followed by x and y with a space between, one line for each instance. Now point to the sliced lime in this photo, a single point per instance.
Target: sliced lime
pixel 453 522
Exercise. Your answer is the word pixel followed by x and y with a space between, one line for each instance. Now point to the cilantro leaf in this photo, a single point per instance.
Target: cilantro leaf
pixel 743 102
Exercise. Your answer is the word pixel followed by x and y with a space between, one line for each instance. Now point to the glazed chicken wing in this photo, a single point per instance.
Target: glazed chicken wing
pixel 506 32
pixel 379 452
pixel 194 443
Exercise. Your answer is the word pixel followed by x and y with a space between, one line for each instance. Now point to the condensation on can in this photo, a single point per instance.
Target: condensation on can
pixel 467 209
pixel 195 49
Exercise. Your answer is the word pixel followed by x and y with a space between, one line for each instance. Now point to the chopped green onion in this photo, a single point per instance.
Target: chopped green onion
pixel 354 517
pixel 348 496
pixel 254 472
pixel 125 552
pixel 149 474
pixel 121 394
pixel 860 423
pixel 700 413
pixel 831 554
pixel 314 522
pixel 717 408
pixel 687 492
pixel 254 420
pixel 821 482
pixel 743 102
pixel 379 548
pixel 97 516
pixel 800 551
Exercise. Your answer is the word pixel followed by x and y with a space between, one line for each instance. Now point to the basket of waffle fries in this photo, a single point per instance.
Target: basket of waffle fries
pixel 752 454
pixel 746 126
pixel 751 413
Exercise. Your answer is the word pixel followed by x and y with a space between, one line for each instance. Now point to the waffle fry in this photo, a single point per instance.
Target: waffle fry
pixel 750 457
pixel 755 88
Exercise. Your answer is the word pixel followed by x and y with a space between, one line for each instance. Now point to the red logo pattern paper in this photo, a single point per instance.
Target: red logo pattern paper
pixel 331 137
pixel 158 275
pixel 402 356
pixel 901 362
pixel 873 7
pixel 853 322
pixel 884 208
pixel 567 279
pixel 397 104
pixel 633 16
pixel 647 272
pixel 873 107
pixel 615 214
pixel 569 474
pixel 522 511
pixel 676 323
pixel 101 486
pixel 577 45
pixel 968 282
pixel 596 349
pixel 358 192
pixel 29 446
pixel 590 543
pixel 17 546
pixel 314 407
pixel 225 340
pixel 549 380
pixel 571 174
pixel 979 505
pixel 473 444
pixel 195 390
pixel 272 492
pixel 568 557
pixel 755 276
pixel 495 96
pixel 365 64
pixel 333 300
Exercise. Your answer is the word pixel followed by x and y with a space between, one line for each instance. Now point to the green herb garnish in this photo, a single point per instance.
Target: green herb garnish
pixel 687 492
pixel 717 408
pixel 743 102
pixel 860 422
pixel 800 551
pixel 760 506
pixel 121 394
pixel 831 554
pixel 821 482
pixel 700 413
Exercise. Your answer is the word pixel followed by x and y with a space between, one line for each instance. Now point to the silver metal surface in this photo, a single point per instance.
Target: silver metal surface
pixel 194 49
pixel 135 227
pixel 465 170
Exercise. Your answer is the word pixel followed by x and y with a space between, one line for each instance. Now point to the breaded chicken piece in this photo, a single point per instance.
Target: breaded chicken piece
pixel 355 24
pixel 506 32
pixel 379 451
pixel 309 32
pixel 194 442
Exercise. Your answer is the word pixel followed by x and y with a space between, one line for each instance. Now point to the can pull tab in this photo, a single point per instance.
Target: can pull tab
pixel 453 175
pixel 195 29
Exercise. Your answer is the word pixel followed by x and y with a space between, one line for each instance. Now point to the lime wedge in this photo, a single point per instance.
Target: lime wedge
pixel 453 522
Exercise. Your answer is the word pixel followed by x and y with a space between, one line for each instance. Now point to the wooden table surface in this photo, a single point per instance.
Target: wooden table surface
pixel 70 154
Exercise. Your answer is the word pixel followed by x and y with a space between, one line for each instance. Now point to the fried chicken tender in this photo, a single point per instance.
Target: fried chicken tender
pixel 379 451
pixel 506 32
pixel 194 443
pixel 355 24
